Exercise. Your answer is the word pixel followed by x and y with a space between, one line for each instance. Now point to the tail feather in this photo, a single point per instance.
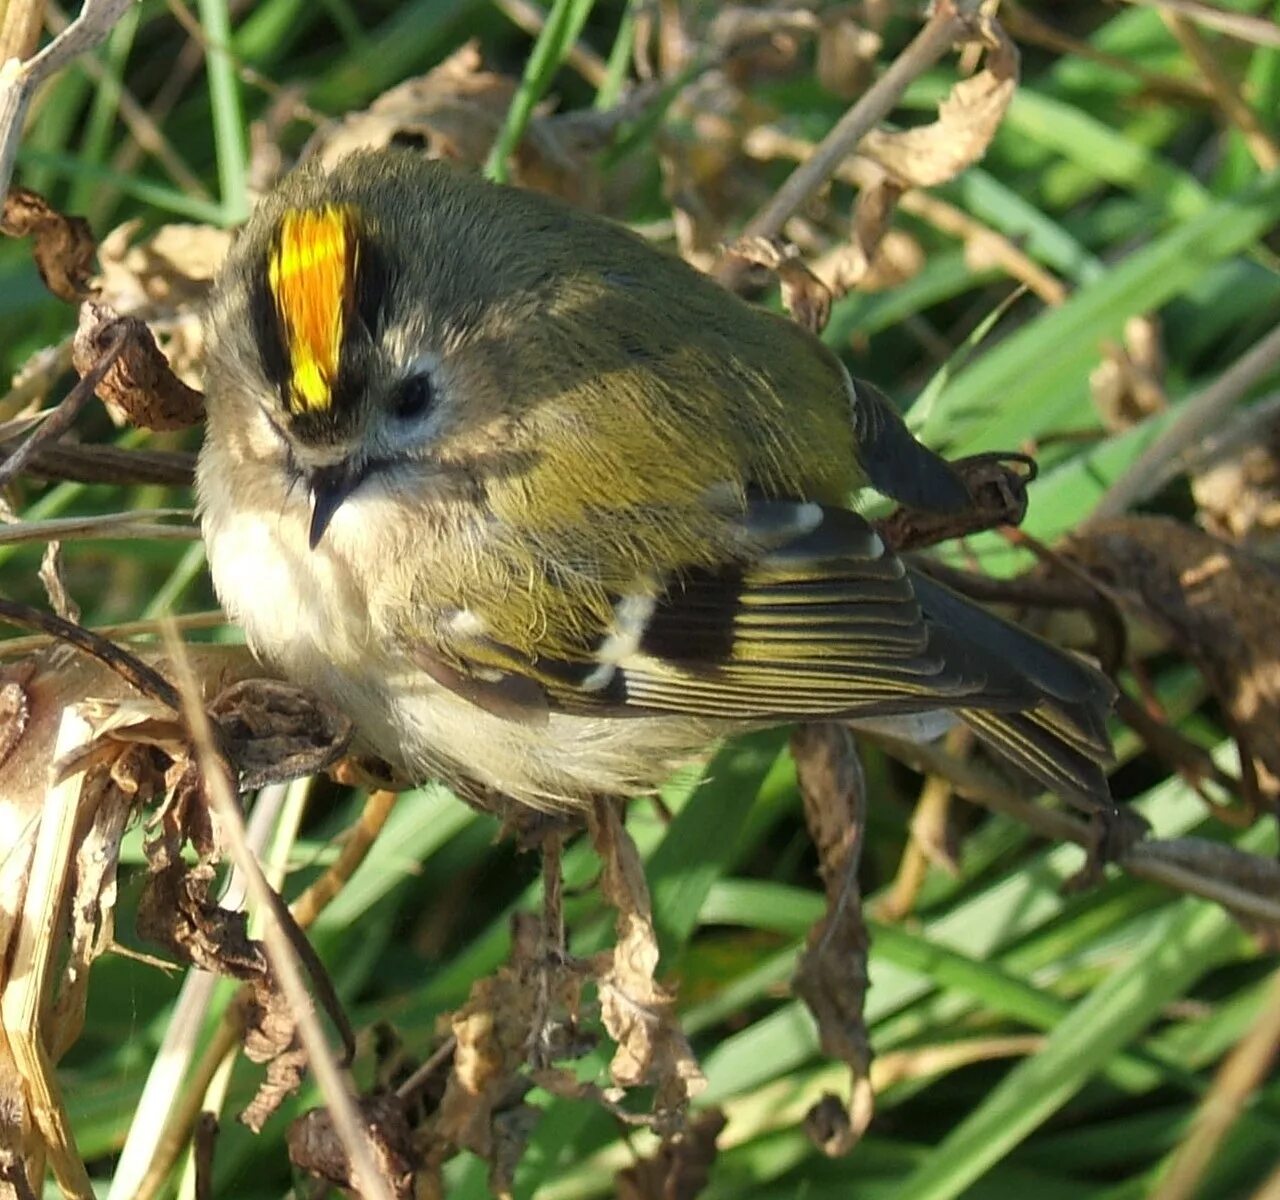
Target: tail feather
pixel 1058 732
pixel 1051 745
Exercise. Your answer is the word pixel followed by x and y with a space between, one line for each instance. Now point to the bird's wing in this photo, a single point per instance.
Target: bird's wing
pixel 828 622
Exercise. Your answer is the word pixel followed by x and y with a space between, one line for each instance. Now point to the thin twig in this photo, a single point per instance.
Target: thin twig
pixel 1024 26
pixel 1225 91
pixel 770 142
pixel 142 524
pixel 1244 429
pixel 80 462
pixel 60 420
pixel 1151 860
pixel 132 670
pixel 1193 419
pixel 19 80
pixel 1242 26
pixel 356 843
pixel 1238 1078
pixel 148 627
pixel 341 1102
pixel 939 34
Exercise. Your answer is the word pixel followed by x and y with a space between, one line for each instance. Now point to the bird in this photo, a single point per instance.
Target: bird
pixel 547 512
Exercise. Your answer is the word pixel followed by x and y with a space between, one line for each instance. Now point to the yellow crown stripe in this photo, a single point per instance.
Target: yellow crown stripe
pixel 312 277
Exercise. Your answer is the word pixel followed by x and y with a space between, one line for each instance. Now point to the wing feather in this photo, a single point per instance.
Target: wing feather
pixel 826 623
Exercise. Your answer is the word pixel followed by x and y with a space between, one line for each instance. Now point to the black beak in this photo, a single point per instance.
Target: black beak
pixel 330 486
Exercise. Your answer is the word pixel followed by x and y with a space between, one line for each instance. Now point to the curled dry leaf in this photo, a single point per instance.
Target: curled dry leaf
pixel 871 259
pixel 177 911
pixel 314 1146
pixel 112 793
pixel 752 43
pixel 279 731
pixel 155 276
pixel 64 246
pixel 164 278
pixel 847 51
pixel 50 681
pixel 681 1166
pixel 453 112
pixel 1215 603
pixel 704 174
pixel 1128 385
pixel 638 1012
pixel 140 388
pixel 526 1003
pixel 805 297
pixel 997 484
pixel 492 1030
pixel 831 977
pixel 138 752
pixel 1239 495
pixel 967 121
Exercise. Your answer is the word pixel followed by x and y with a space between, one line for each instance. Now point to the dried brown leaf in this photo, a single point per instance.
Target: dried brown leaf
pixel 177 911
pixel 15 710
pixel 110 793
pixel 1215 603
pixel 452 112
pixel 752 44
pixel 164 278
pixel 805 297
pixel 168 270
pixel 1128 385
pixel 455 111
pixel 871 259
pixel 271 1036
pixel 847 52
pixel 705 176
pixel 967 121
pixel 492 1030
pixel 314 1145
pixel 64 246
pixel 997 484
pixel 278 731
pixel 831 977
pixel 681 1166
pixel 527 1009
pixel 638 1012
pixel 1239 496
pixel 140 388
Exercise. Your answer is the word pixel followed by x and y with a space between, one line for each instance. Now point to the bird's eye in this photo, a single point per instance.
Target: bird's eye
pixel 412 397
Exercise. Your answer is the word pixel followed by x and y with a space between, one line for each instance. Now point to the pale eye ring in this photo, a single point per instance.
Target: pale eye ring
pixel 412 397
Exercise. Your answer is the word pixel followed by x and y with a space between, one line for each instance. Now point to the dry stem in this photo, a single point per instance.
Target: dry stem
pixel 280 948
pixel 939 34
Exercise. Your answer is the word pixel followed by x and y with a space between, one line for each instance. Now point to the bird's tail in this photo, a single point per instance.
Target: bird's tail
pixel 1049 744
pixel 1059 736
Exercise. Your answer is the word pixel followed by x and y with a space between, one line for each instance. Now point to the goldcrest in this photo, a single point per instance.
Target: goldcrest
pixel 545 510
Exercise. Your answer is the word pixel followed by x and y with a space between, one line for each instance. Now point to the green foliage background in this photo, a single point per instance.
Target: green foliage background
pixel 1137 201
